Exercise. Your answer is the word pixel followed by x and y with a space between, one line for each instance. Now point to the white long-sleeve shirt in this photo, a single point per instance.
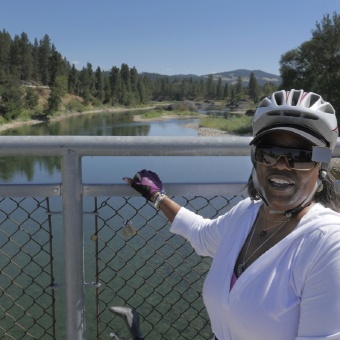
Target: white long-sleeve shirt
pixel 290 292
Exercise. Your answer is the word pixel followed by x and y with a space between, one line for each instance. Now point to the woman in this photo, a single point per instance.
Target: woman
pixel 276 255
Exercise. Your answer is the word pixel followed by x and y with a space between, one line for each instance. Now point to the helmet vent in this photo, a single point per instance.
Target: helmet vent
pixel 308 116
pixel 279 98
pixel 295 98
pixel 292 114
pixel 313 99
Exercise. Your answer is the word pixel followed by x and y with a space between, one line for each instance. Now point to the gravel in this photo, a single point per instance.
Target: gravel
pixel 207 132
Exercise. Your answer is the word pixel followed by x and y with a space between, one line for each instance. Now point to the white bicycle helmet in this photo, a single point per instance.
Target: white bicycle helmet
pixel 304 113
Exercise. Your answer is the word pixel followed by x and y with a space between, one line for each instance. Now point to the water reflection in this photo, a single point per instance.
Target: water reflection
pixel 47 169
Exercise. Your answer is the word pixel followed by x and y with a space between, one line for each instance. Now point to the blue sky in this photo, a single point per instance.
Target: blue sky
pixel 169 36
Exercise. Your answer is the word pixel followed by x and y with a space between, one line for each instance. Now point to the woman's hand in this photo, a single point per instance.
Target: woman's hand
pixel 146 183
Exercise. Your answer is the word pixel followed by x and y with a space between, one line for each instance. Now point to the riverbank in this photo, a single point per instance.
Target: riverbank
pixel 202 131
pixel 16 124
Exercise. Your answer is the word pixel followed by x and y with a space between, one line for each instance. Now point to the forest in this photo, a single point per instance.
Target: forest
pixel 26 67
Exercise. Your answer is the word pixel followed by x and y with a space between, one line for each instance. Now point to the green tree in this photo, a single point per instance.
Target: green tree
pixel 73 82
pixel 5 51
pixel 35 61
pixel 31 98
pixel 57 66
pixel 44 53
pixel 11 104
pixel 315 64
pixel 115 84
pixel 239 87
pixel 58 90
pixel 99 84
pixel 107 90
pixel 16 61
pixel 126 94
pixel 219 89
pixel 253 88
pixel 87 83
pixel 211 89
pixel 226 90
pixel 26 57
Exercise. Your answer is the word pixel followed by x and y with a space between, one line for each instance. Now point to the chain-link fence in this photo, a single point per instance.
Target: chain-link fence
pixel 26 270
pixel 129 252
pixel 66 258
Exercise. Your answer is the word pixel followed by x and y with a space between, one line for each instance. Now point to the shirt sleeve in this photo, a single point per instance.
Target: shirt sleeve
pixel 205 235
pixel 197 230
pixel 320 298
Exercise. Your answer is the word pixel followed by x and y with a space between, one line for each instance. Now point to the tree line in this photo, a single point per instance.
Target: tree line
pixel 24 65
pixel 313 66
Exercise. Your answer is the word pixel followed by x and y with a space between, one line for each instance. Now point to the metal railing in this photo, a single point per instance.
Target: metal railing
pixel 110 205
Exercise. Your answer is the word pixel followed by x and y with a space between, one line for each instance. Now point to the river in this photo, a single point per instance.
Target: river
pixel 18 170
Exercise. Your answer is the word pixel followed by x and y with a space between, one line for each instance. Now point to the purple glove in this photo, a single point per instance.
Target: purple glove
pixel 147 183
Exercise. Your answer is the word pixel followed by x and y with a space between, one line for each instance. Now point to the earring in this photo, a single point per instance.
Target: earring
pixel 320 188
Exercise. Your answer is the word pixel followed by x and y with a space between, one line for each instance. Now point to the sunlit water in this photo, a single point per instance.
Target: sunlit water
pixel 113 169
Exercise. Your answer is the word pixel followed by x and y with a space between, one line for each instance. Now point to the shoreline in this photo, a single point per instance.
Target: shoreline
pixel 202 131
pixel 15 124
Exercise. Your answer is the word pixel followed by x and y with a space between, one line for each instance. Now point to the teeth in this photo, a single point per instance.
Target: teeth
pixel 279 181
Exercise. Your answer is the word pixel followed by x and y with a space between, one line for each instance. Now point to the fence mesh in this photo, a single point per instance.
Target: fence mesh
pixel 150 269
pixel 128 250
pixel 26 272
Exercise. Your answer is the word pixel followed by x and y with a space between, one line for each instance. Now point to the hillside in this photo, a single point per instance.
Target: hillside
pixel 261 77
pixel 229 77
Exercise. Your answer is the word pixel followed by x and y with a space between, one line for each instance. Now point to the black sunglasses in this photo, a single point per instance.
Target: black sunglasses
pixel 297 159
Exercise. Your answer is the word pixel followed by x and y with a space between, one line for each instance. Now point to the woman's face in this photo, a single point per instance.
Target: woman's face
pixel 283 187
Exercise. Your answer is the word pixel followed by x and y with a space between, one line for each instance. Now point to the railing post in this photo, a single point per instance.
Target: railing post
pixel 71 176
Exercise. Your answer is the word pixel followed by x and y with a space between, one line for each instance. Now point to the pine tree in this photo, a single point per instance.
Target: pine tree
pixel 226 91
pixel 219 90
pixel 16 61
pixel 26 58
pixel 253 88
pixel 99 85
pixel 58 90
pixel 11 104
pixel 73 83
pixel 5 51
pixel 44 53
pixel 115 84
pixel 31 99
pixel 35 61
pixel 57 66
pixel 211 90
pixel 107 90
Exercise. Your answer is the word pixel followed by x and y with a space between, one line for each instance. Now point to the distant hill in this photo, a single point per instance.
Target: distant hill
pixel 230 77
pixel 261 77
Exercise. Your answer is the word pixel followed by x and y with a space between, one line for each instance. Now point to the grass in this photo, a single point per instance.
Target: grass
pixel 240 125
pixel 162 113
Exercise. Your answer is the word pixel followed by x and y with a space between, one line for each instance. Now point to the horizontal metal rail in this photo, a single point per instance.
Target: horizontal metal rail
pixel 71 149
pixel 127 146
pixel 123 146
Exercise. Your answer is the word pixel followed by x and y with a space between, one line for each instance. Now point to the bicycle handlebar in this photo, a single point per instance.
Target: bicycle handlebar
pixel 131 318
